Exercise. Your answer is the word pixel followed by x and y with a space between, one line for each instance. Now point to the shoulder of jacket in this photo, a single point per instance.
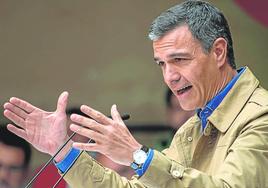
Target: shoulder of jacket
pixel 259 97
pixel 256 109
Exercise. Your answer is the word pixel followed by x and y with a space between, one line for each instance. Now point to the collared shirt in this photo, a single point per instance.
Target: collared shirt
pixel 203 114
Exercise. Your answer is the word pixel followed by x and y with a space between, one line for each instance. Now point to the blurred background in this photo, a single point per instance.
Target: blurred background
pixel 99 52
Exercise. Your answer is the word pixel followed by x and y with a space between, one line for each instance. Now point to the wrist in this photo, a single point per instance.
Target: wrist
pixel 130 158
pixel 65 150
pixel 68 160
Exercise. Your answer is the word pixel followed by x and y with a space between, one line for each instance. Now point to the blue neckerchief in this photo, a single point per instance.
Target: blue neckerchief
pixel 214 102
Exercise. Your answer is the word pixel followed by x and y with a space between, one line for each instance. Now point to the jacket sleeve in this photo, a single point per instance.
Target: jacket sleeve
pixel 245 165
pixel 86 172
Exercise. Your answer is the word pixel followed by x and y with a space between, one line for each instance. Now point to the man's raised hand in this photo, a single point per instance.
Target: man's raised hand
pixel 46 131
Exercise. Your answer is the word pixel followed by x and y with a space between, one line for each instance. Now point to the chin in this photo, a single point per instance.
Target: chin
pixel 188 107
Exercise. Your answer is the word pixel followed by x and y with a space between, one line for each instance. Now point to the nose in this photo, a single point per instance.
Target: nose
pixel 171 75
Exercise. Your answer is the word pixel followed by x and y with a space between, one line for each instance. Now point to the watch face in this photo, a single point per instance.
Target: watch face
pixel 139 156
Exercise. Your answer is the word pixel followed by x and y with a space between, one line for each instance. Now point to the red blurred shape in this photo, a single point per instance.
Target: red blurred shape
pixel 48 178
pixel 257 9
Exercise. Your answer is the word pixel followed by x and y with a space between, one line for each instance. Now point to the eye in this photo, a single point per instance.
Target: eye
pixel 178 59
pixel 160 63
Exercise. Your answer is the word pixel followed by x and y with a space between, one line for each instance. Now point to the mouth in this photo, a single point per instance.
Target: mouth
pixel 184 89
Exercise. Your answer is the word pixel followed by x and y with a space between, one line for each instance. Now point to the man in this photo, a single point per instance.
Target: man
pixel 15 154
pixel 224 145
pixel 176 116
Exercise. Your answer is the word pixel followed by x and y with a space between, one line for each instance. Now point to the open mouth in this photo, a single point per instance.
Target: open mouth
pixel 184 89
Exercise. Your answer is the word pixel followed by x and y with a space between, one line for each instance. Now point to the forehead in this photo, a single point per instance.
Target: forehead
pixel 179 39
pixel 11 155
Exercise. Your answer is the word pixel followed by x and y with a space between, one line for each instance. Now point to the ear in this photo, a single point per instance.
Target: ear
pixel 219 50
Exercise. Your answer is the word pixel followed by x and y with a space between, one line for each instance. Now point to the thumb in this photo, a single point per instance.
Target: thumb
pixel 62 102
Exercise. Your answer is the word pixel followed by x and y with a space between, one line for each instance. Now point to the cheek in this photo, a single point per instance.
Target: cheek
pixel 196 78
pixel 164 76
pixel 198 89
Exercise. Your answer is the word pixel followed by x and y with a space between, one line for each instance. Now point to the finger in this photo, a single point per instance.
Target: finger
pixel 97 137
pixel 21 113
pixel 96 115
pixel 22 104
pixel 115 115
pixel 90 123
pixel 14 118
pixel 17 131
pixel 86 146
pixel 62 102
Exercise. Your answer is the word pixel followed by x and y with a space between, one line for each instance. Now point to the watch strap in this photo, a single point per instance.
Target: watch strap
pixel 146 149
pixel 140 171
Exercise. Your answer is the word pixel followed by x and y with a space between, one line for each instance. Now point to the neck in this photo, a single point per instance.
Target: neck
pixel 225 76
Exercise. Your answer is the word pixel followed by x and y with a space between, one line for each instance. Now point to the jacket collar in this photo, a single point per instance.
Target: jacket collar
pixel 225 114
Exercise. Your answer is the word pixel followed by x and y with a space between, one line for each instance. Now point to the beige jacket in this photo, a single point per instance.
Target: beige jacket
pixel 231 152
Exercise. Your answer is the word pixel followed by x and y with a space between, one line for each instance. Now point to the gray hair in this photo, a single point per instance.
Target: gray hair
pixel 206 23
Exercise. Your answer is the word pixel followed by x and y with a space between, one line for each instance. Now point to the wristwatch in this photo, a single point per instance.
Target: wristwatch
pixel 139 157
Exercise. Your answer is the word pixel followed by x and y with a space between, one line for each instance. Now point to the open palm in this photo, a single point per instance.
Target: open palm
pixel 46 131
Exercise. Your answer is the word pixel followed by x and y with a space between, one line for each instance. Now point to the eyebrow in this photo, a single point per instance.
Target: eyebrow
pixel 179 54
pixel 184 54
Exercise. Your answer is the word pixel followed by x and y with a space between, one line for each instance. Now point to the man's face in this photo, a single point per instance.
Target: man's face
pixel 11 166
pixel 189 72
